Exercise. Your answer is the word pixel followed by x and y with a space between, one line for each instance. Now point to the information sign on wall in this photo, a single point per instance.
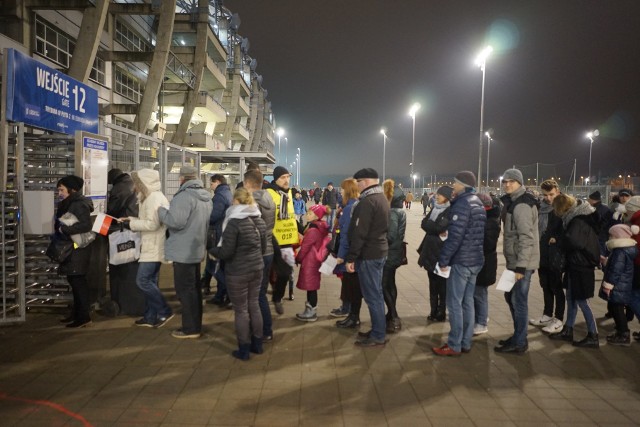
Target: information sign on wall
pixel 94 164
pixel 46 98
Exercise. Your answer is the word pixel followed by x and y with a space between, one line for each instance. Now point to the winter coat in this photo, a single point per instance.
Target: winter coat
pixel 317 195
pixel 425 200
pixel 397 227
pixel 465 235
pixel 605 216
pixel 299 206
pixel 409 197
pixel 244 242
pixel 579 241
pixel 309 276
pixel 619 269
pixel 553 230
pixel 77 264
pixel 187 220
pixel 268 210
pixel 487 275
pixel 432 244
pixel 521 240
pixel 222 199
pixel 329 198
pixel 368 226
pixel 122 201
pixel 635 220
pixel 152 232
pixel 343 227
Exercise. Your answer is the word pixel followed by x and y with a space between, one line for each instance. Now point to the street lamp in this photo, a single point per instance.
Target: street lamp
pixel 591 136
pixel 412 112
pixel 481 61
pixel 297 169
pixel 286 149
pixel 413 188
pixel 488 135
pixel 294 168
pixel 279 132
pixel 299 162
pixel 383 131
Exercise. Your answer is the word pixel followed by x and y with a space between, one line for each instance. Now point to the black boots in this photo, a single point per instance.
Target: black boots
pixel 256 345
pixel 566 334
pixel 394 325
pixel 350 322
pixel 242 352
pixel 590 341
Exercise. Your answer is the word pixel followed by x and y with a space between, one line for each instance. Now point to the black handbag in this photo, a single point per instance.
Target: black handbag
pixel 59 250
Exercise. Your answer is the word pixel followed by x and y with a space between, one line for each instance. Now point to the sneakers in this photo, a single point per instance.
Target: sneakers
pixel 480 329
pixel 79 323
pixel 554 326
pixel 162 321
pixel 618 338
pixel 308 315
pixel 339 312
pixel 182 335
pixel 279 307
pixel 369 342
pixel 142 322
pixel 445 350
pixel 543 321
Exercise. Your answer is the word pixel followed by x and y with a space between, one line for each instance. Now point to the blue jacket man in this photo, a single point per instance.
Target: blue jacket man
pixel 462 258
pixel 222 199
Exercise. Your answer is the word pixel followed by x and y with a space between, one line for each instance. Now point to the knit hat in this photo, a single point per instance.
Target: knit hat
pixel 279 171
pixel 623 231
pixel 632 206
pixel 595 196
pixel 71 182
pixel 319 210
pixel 466 178
pixel 330 183
pixel 486 200
pixel 366 173
pixel 188 171
pixel 512 174
pixel 625 192
pixel 445 191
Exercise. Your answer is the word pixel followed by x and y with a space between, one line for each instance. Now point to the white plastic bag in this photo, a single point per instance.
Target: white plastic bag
pixel 328 265
pixel 124 247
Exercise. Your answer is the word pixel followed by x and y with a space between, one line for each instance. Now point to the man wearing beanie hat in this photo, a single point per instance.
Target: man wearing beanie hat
pixel 521 248
pixel 286 233
pixel 462 258
pixel 187 221
pixel 368 249
pixel 330 198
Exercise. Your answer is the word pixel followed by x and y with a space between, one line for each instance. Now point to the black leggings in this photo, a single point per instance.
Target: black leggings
pixel 390 291
pixel 80 289
pixel 352 292
pixel 437 294
pixel 312 298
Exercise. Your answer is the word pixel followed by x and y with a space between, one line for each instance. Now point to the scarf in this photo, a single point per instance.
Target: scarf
pixel 239 212
pixel 375 189
pixel 543 218
pixel 437 210
pixel 580 209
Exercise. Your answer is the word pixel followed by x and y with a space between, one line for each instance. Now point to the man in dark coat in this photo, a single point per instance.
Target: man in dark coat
pixel 222 199
pixel 606 216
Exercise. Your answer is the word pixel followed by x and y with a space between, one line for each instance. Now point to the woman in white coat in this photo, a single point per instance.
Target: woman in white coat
pixel 147 186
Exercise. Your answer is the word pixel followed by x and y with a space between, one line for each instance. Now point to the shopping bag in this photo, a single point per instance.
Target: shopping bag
pixel 328 265
pixel 124 247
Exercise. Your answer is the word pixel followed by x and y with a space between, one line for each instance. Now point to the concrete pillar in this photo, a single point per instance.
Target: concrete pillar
pixel 88 40
pixel 158 65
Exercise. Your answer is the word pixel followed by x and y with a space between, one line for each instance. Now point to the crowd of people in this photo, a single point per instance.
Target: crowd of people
pixel 256 236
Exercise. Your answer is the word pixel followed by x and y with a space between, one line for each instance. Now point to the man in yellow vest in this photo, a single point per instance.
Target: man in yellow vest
pixel 285 233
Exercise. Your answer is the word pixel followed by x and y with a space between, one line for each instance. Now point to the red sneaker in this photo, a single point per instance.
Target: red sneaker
pixel 445 350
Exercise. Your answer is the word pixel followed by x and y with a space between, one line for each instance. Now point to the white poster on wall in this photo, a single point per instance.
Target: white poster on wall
pixel 94 162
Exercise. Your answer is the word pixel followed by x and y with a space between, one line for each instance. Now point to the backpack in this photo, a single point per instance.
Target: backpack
pixel 321 253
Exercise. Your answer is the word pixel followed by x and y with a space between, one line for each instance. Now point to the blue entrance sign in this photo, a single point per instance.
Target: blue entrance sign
pixel 43 97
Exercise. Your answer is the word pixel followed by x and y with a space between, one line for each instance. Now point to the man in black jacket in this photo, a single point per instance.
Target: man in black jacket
pixel 368 250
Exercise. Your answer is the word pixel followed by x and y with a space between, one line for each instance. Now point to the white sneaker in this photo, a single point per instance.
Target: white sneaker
pixel 554 326
pixel 480 329
pixel 543 321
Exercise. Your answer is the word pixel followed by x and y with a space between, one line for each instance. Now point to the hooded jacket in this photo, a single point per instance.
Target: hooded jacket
pixel 78 262
pixel 222 199
pixel 521 240
pixel 268 210
pixel 309 277
pixel 187 220
pixel 619 269
pixel 397 227
pixel 152 231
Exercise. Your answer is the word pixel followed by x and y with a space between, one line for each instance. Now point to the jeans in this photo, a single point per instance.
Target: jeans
pixel 572 312
pixel 460 287
pixel 155 304
pixel 551 284
pixel 481 305
pixel 267 321
pixel 390 291
pixel 80 289
pixel 244 290
pixel 186 279
pixel 221 291
pixel 370 275
pixel 518 300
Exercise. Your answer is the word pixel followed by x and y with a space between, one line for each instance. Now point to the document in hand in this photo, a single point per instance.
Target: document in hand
pixel 441 273
pixel 507 280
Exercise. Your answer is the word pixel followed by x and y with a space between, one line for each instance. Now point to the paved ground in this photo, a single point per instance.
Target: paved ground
pixel 115 374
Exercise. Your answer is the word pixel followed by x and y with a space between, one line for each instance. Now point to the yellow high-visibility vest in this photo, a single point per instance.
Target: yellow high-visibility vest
pixel 285 230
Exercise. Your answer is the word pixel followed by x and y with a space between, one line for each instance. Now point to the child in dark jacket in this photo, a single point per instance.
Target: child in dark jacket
pixel 309 275
pixel 618 280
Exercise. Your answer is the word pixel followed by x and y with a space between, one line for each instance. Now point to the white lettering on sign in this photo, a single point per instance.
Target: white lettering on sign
pixel 53 83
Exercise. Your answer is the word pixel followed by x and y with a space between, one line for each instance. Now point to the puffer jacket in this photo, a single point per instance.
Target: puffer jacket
pixel 309 276
pixel 152 232
pixel 465 233
pixel 343 228
pixel 397 227
pixel 222 199
pixel 268 210
pixel 432 244
pixel 619 269
pixel 521 240
pixel 487 275
pixel 243 241
pixel 368 227
pixel 187 220
pixel 78 262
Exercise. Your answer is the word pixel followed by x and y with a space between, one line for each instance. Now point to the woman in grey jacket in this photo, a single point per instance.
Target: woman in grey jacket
pixel 241 247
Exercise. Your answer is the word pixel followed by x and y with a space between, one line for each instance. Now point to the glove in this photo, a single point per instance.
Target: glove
pixel 127 225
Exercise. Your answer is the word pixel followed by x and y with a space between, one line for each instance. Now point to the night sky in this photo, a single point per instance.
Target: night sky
pixel 337 71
